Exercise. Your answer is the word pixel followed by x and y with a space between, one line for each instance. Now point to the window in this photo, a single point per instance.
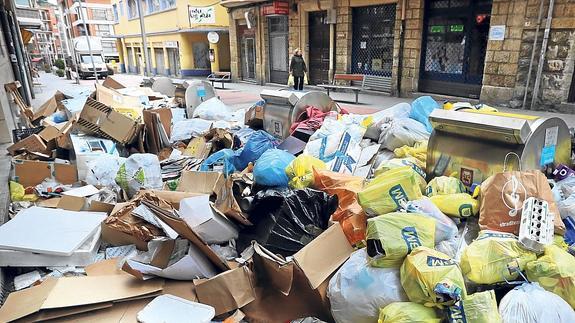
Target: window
pixel 166 4
pixel 115 8
pixel 87 59
pixel 121 5
pixel 132 9
pixel 153 6
pixel 23 3
pixel 99 14
pixel 102 30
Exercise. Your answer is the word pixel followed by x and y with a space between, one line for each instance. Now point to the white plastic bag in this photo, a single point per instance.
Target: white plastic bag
pixel 213 109
pixel 357 291
pixel 189 128
pixel 400 110
pixel 140 171
pixel 529 303
pixel 325 141
pixel 102 170
pixel 445 228
pixel 400 132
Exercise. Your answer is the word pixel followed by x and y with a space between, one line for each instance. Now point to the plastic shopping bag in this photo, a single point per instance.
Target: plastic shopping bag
pixel 18 193
pixel 460 205
pixel 421 108
pixel 476 308
pixel 399 132
pixel 222 160
pixel 386 192
pixel 444 185
pixel 432 278
pixel 417 151
pixel 555 272
pixel 103 169
pixel 349 213
pixel 357 291
pixel 529 303
pixel 300 170
pixel 401 162
pixel 445 228
pixel 408 312
pixel 290 81
pixel 213 109
pixel 494 257
pixel 391 237
pixel 140 171
pixel 259 142
pixel 270 168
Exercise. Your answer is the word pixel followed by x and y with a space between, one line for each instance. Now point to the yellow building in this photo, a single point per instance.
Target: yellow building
pixel 177 36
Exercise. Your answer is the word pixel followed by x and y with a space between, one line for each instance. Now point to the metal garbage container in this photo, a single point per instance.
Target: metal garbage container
pixel 472 145
pixel 284 107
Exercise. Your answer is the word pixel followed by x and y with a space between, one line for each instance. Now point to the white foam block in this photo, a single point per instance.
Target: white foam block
pixel 49 231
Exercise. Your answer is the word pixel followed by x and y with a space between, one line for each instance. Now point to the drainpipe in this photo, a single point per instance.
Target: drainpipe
pixel 332 44
pixel 533 53
pixel 12 53
pixel 20 55
pixel 401 44
pixel 542 56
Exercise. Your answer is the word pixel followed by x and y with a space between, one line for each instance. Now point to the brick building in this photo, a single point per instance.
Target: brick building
pixel 478 49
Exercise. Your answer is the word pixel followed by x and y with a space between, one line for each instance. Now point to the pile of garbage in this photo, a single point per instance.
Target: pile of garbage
pixel 129 203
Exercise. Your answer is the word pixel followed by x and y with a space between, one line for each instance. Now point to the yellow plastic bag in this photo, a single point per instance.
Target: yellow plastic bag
pixel 300 171
pixel 407 312
pixel 432 278
pixel 460 205
pixel 290 81
pixel 391 237
pixel 555 272
pixel 476 308
pixel 18 193
pixel 418 151
pixel 494 257
pixel 386 192
pixel 401 162
pixel 444 185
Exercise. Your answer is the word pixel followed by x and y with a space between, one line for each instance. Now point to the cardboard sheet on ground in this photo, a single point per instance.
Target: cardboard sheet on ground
pixel 49 231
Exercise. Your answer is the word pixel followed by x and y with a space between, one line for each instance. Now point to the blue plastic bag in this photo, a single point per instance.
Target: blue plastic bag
pixel 259 142
pixel 270 168
pixel 421 108
pixel 224 157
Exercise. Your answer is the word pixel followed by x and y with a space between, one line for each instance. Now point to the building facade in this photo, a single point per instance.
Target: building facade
pixel 99 19
pixel 478 49
pixel 176 35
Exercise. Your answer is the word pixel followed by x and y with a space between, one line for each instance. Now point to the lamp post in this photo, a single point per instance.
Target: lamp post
pixel 88 40
pixel 144 42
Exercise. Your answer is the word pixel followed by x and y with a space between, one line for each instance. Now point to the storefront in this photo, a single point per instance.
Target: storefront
pixel 247 42
pixel 278 48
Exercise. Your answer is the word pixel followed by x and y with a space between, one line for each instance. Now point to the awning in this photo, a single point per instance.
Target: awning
pixel 239 3
pixel 36 59
pixel 26 35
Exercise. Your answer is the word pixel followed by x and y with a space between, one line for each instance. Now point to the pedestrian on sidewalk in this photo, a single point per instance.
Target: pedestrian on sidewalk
pixel 297 69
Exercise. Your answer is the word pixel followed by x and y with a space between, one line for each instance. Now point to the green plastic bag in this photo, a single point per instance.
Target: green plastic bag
pixel 494 257
pixel 444 185
pixel 475 308
pixel 386 192
pixel 460 205
pixel 432 278
pixel 391 237
pixel 300 171
pixel 555 272
pixel 407 312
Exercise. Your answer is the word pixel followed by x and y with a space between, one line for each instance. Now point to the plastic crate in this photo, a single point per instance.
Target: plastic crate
pixel 536 228
pixel 19 134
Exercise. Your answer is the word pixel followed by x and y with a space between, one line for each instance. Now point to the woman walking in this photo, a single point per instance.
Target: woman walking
pixel 297 69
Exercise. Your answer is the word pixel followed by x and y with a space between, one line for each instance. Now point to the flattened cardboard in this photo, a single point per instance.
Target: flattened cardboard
pixel 201 182
pixel 72 203
pixel 49 107
pixel 31 143
pixel 227 291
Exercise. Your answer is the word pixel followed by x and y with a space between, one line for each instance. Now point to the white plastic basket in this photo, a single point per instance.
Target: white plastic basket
pixel 536 229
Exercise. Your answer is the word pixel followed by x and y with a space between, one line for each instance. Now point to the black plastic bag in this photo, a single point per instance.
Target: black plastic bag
pixel 286 220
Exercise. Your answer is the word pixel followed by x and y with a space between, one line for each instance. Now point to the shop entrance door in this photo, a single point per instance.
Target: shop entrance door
pixel 278 52
pixel 248 58
pixel 174 61
pixel 318 32
pixel 454 43
pixel 160 68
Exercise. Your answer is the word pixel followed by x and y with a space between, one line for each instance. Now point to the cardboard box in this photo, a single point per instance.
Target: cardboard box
pixel 88 148
pixel 130 106
pixel 50 106
pixel 33 143
pixel 117 82
pixel 201 182
pixel 209 223
pixel 101 120
pixel 254 117
pixel 31 172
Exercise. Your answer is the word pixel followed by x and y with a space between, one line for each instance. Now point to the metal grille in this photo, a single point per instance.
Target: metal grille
pixel 445 45
pixel 372 40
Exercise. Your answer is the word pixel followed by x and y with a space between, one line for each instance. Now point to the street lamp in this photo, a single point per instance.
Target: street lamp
pixel 88 39
pixel 144 42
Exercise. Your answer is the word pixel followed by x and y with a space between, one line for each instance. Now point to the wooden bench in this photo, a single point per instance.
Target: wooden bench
pixel 345 77
pixel 221 77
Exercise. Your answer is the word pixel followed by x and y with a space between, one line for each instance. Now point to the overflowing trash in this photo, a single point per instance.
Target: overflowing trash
pixel 164 210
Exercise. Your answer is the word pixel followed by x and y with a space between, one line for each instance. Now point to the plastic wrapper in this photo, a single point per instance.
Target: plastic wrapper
pixel 529 303
pixel 555 272
pixel 460 205
pixel 300 170
pixel 445 228
pixel 444 185
pixel 18 193
pixel 408 312
pixel 222 160
pixel 324 143
pixel 391 237
pixel 421 108
pixel 213 109
pixel 401 162
pixel 357 291
pixel 494 257
pixel 286 220
pixel 432 278
pixel 102 170
pixel 386 192
pixel 259 142
pixel 189 128
pixel 400 132
pixel 349 213
pixel 140 171
pixel 417 151
pixel 400 110
pixel 476 308
pixel 270 168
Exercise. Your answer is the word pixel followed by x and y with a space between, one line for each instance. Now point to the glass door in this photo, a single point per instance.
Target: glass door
pixel 248 58
pixel 278 49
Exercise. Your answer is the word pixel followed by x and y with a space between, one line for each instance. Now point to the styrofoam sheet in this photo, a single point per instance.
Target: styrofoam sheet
pixel 49 231
pixel 83 256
